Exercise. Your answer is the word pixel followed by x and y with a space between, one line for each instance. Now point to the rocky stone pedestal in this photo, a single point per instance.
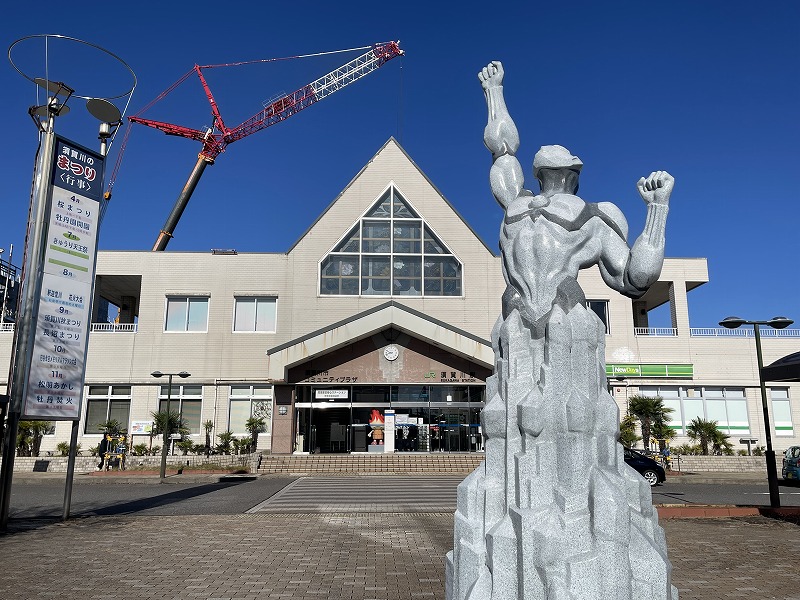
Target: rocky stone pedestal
pixel 554 512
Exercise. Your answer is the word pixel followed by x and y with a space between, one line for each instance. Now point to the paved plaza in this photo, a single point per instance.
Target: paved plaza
pixel 382 556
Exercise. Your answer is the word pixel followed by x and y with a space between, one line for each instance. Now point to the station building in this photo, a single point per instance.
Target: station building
pixel 371 334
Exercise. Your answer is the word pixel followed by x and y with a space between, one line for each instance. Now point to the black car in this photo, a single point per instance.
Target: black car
pixel 646 466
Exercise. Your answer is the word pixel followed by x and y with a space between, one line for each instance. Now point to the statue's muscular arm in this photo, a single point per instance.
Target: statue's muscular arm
pixel 632 270
pixel 502 139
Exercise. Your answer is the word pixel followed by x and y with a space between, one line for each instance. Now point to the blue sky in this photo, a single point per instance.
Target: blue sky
pixel 708 91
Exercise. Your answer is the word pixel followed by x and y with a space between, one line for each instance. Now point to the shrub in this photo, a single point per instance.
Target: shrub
pixel 139 449
pixel 185 446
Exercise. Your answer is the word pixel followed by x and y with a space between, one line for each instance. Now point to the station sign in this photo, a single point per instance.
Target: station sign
pixel 63 315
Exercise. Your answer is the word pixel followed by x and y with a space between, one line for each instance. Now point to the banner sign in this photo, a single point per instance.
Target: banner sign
pixel 58 364
pixel 629 370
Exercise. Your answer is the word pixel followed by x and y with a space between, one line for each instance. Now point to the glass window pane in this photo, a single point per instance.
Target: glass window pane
pixel 713 392
pixel 240 412
pixel 600 308
pixel 240 390
pixel 262 409
pixel 121 390
pixel 191 390
pixel 262 391
pixel 176 314
pixel 245 314
pixel 432 244
pixel 376 276
pixel 782 417
pixel 407 237
pixel 198 314
pixel 675 416
pixel 734 392
pixel 779 393
pixel 98 390
pixel 375 237
pixel 692 409
pixel 265 314
pixel 95 414
pixel 383 207
pixel 738 423
pixel 119 410
pixel 350 242
pixel 715 411
pixel 190 411
pixel 401 208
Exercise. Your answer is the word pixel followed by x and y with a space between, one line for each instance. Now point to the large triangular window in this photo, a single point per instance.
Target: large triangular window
pixel 390 251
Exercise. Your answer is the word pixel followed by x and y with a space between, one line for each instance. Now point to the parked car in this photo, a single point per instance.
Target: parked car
pixel 791 464
pixel 646 466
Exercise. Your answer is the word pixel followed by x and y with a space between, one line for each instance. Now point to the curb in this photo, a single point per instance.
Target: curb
pixel 672 511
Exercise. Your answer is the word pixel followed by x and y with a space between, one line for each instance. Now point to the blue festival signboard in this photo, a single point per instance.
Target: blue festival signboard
pixel 58 361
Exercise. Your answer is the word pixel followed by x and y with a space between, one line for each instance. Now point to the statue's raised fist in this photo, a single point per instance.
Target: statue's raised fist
pixel 491 75
pixel 656 188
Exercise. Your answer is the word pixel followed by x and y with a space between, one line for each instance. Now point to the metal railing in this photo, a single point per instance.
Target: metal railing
pixel 114 327
pixel 656 331
pixel 743 332
pixel 6 327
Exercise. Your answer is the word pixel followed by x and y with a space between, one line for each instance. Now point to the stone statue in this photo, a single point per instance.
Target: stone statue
pixel 554 512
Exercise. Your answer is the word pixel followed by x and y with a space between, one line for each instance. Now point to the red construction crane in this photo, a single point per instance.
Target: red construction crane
pixel 219 136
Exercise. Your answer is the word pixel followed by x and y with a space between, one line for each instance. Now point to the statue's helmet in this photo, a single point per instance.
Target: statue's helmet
pixel 555 157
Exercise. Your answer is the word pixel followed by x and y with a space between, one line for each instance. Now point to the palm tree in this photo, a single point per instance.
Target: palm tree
pixel 208 426
pixel 173 422
pixel 627 431
pixel 29 436
pixel 255 425
pixel 650 411
pixel 708 435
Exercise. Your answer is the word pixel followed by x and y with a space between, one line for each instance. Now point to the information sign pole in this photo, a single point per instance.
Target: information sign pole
pixel 26 316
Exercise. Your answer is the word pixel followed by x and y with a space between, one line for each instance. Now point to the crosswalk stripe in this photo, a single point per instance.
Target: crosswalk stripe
pixel 364 494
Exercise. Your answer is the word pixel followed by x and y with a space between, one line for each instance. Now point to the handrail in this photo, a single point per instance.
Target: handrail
pixel 655 331
pixel 742 332
pixel 114 327
pixel 7 327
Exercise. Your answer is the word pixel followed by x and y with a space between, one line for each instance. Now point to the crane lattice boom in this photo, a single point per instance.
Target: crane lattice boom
pixel 217 139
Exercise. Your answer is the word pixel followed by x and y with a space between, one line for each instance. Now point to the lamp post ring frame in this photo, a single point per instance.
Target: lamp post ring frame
pixel 47 36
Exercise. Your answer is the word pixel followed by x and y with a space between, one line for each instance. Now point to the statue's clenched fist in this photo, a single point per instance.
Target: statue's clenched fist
pixel 656 188
pixel 491 75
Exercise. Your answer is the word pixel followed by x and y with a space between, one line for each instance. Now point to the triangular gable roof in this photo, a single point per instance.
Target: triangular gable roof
pixel 362 325
pixel 391 140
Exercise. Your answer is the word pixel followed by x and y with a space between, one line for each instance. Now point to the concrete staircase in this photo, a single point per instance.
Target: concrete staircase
pixel 370 464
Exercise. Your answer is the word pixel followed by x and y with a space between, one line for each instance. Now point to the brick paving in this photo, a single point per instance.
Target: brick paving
pixel 338 556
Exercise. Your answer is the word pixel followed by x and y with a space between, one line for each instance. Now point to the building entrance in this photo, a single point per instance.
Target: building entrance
pixel 436 418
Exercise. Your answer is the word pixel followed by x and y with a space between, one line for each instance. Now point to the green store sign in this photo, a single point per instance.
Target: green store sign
pixel 631 370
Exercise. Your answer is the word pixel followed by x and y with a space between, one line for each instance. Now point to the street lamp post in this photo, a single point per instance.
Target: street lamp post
pixel 772 469
pixel 167 432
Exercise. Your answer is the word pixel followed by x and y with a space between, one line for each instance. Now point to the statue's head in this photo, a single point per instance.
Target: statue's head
pixel 557 170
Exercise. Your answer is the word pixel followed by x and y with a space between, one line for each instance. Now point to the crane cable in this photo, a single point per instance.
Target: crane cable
pixel 112 180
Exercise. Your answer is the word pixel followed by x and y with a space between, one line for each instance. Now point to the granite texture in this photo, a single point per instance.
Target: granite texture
pixel 554 512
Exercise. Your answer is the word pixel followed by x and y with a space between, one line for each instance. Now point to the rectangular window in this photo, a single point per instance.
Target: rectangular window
pixel 186 400
pixel 376 275
pixel 781 412
pixel 186 314
pixel 248 401
pixel 106 402
pixel 600 308
pixel 255 314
